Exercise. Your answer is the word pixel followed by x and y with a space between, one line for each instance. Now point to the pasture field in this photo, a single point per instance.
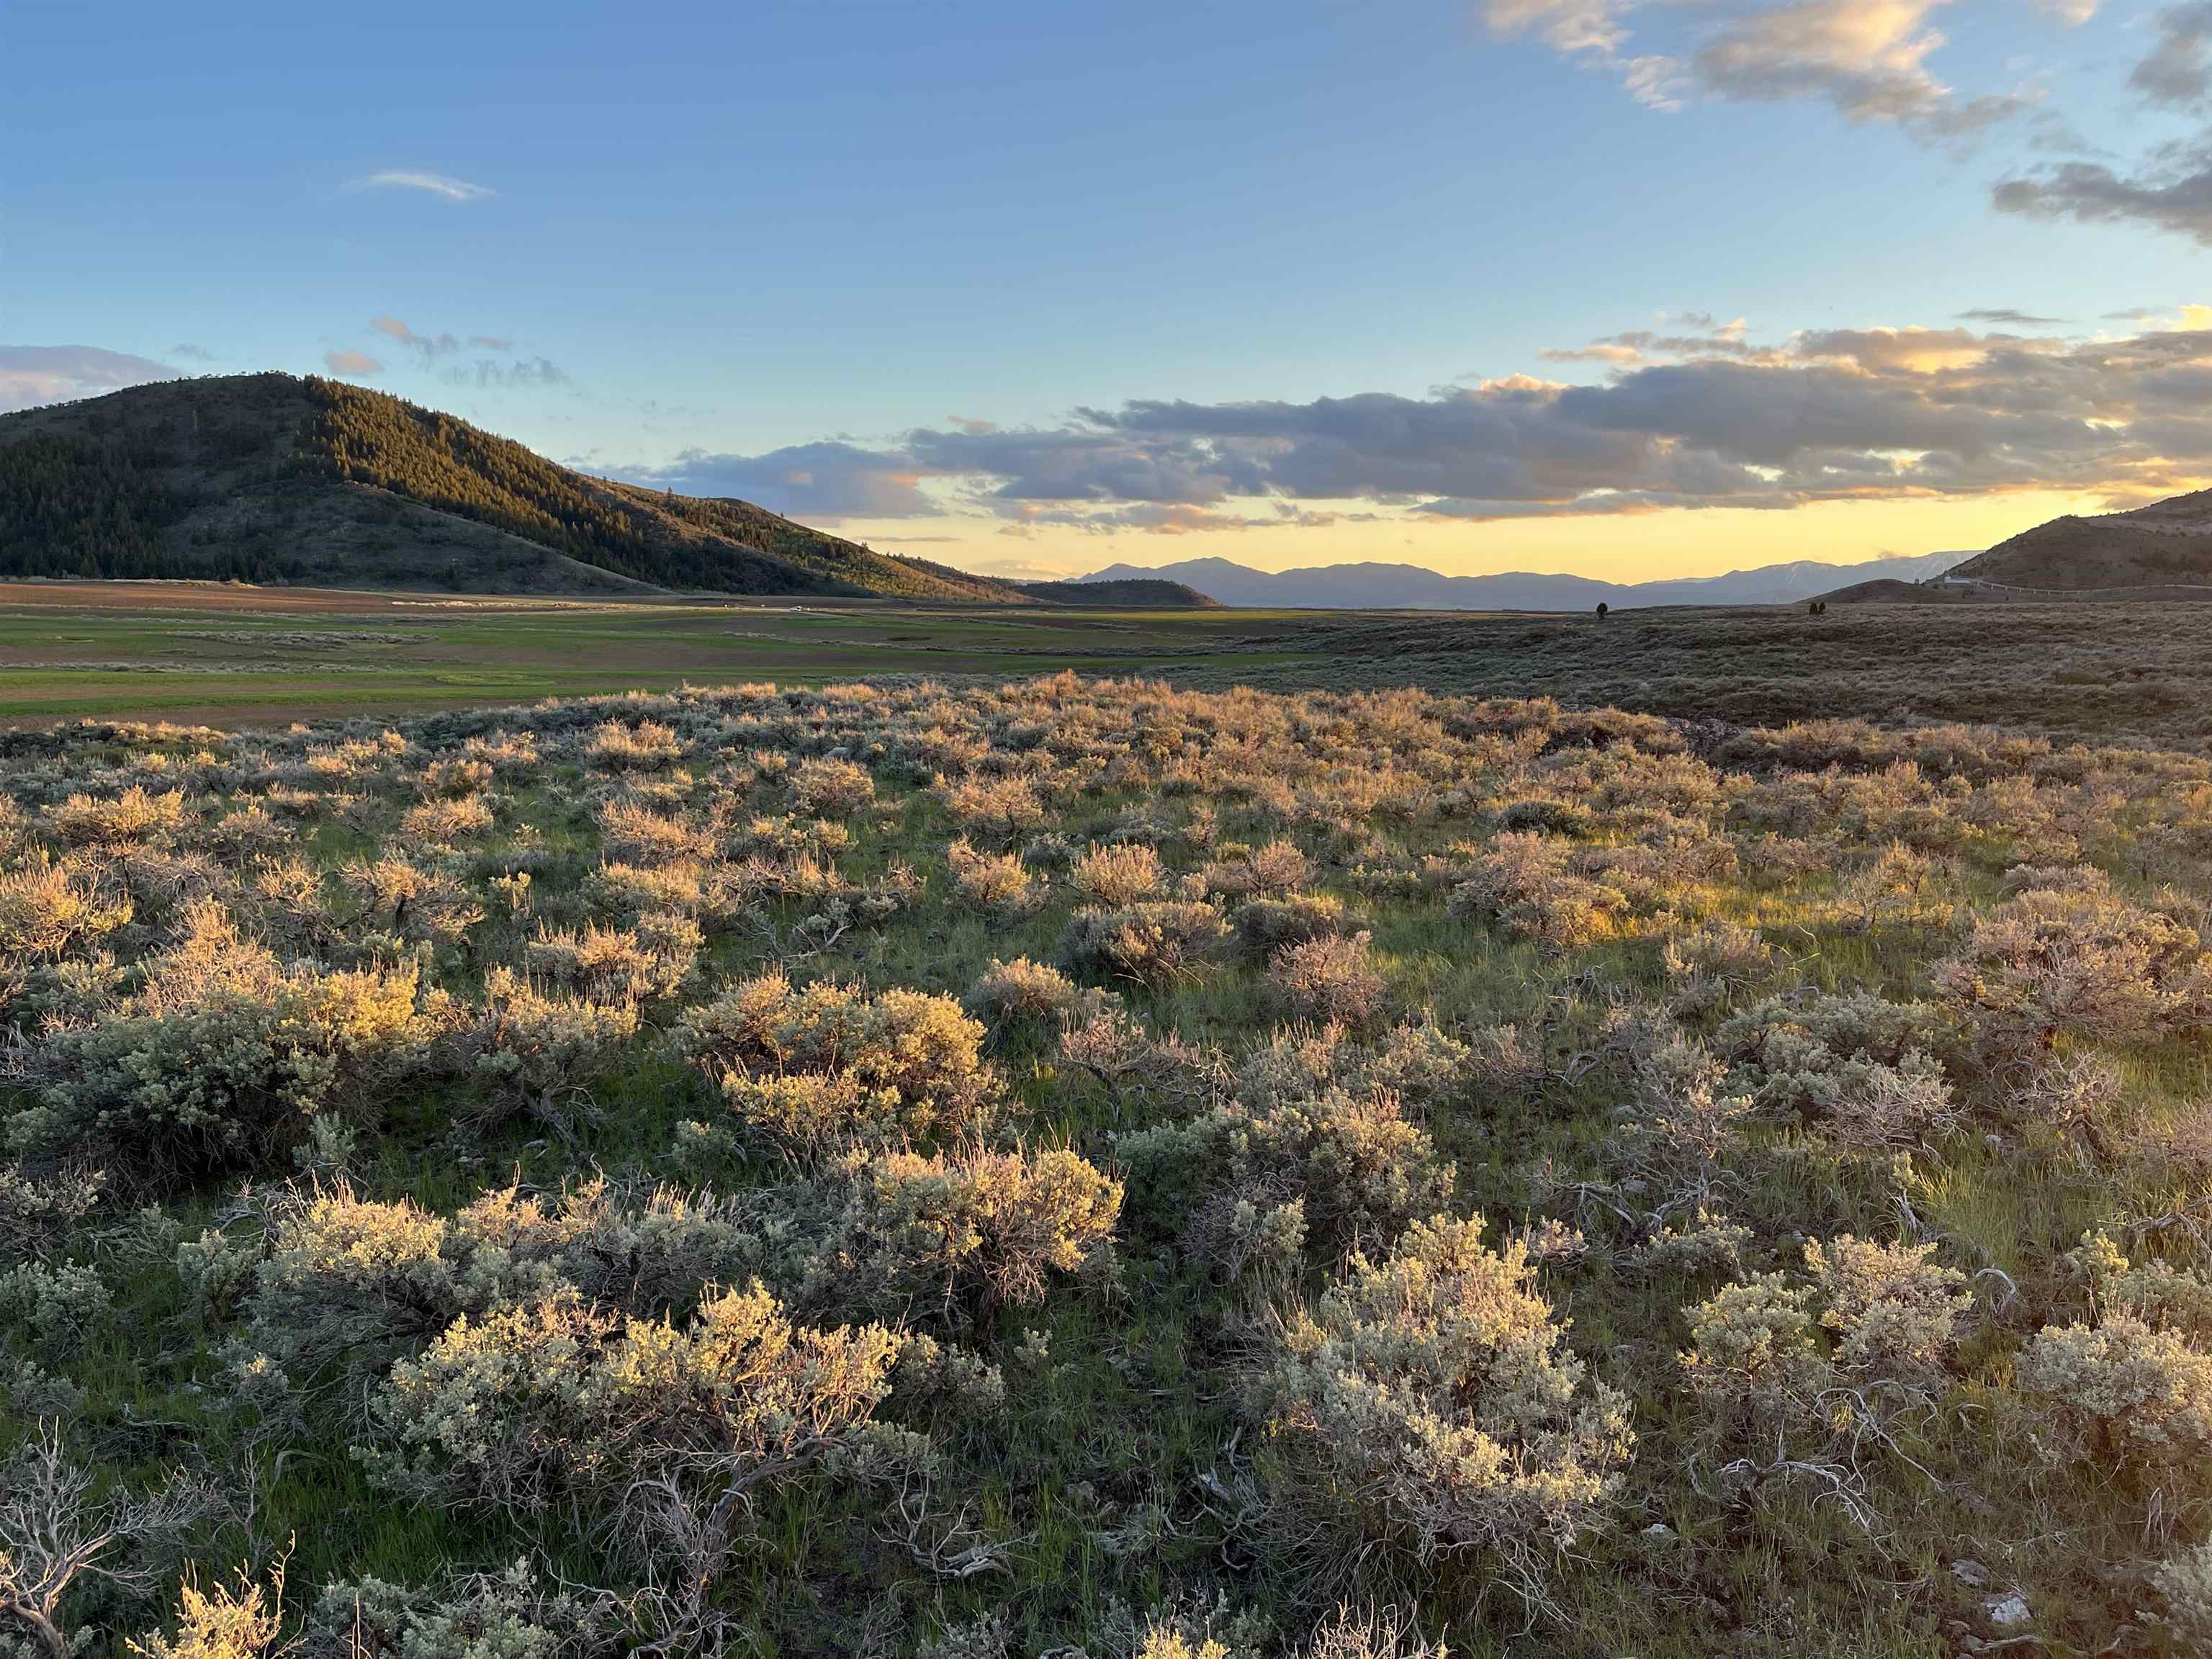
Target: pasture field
pixel 962 1167
pixel 232 655
pixel 218 652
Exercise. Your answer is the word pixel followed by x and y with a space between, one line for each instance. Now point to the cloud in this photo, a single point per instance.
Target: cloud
pixel 523 373
pixel 192 354
pixel 1639 345
pixel 1866 58
pixel 2179 71
pixel 483 373
pixel 442 186
pixel 354 365
pixel 2170 189
pixel 1593 31
pixel 33 375
pixel 1014 570
pixel 426 346
pixel 1827 415
pixel 970 425
pixel 2005 316
pixel 2172 193
pixel 811 482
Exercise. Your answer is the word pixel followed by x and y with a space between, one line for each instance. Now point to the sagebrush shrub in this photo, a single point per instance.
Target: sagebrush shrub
pixel 2123 1393
pixel 230 1080
pixel 1333 1159
pixel 225 1623
pixel 1001 807
pixel 957 1237
pixel 1752 1355
pixel 1118 876
pixel 998 883
pixel 446 819
pixel 817 1068
pixel 1528 882
pixel 830 788
pixel 635 830
pixel 1266 924
pixel 1022 995
pixel 1150 944
pixel 393 899
pixel 1330 979
pixel 513 1614
pixel 2183 1580
pixel 1895 1315
pixel 1431 1390
pixel 2051 964
pixel 646 747
pixel 1712 964
pixel 46 909
pixel 642 963
pixel 555 1398
pixel 540 1053
pixel 135 817
pixel 332 1277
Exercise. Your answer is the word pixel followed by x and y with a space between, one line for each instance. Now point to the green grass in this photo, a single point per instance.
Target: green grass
pixel 2082 672
pixel 210 654
pixel 1144 1399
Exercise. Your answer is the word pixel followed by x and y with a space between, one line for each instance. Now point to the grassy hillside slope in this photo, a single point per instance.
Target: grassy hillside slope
pixel 2166 544
pixel 267 477
pixel 1136 594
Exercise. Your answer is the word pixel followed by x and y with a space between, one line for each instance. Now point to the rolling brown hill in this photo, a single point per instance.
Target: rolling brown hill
pixel 276 478
pixel 2166 545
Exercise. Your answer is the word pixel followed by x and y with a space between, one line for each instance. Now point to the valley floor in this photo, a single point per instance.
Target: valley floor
pixel 230 654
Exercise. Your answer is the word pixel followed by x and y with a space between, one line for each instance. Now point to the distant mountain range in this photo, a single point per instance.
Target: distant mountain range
pixel 1410 588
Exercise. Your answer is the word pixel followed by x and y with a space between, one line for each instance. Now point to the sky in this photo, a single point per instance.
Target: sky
pixel 1631 290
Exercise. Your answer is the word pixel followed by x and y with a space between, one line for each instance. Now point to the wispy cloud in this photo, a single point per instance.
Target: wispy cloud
pixel 440 184
pixel 2171 191
pixel 426 346
pixel 2179 71
pixel 2170 187
pixel 192 354
pixel 354 365
pixel 1593 32
pixel 33 376
pixel 523 373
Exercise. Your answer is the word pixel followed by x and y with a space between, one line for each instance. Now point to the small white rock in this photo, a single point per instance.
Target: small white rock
pixel 2006 1611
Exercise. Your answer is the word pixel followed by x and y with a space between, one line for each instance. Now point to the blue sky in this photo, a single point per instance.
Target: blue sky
pixel 1059 287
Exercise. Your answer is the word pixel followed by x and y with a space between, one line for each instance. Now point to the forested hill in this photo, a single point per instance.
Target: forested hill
pixel 273 479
